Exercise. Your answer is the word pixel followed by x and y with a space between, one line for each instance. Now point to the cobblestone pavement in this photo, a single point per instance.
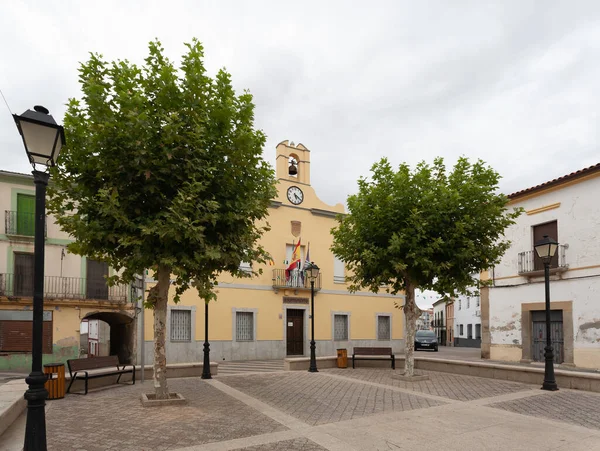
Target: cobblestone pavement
pixel 581 408
pixel 335 410
pixel 114 418
pixel 446 385
pixel 299 444
pixel 318 399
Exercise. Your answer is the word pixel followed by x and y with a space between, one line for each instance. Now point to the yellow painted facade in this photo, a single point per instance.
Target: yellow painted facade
pixel 266 302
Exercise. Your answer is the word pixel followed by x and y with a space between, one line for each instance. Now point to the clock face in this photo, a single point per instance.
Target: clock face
pixel 295 195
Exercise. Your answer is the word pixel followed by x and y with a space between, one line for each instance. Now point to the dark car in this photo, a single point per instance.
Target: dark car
pixel 426 339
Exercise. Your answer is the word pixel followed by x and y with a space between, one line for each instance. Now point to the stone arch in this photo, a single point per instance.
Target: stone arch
pixel 293 159
pixel 122 333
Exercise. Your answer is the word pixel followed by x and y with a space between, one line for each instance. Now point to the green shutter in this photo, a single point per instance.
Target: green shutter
pixel 25 214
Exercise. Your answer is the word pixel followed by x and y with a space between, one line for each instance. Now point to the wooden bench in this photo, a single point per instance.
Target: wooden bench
pixel 370 353
pixel 105 366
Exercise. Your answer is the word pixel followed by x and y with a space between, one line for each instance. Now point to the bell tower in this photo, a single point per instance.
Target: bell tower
pixel 293 162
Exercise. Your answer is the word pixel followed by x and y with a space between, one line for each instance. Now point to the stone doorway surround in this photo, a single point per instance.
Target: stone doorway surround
pixel 527 325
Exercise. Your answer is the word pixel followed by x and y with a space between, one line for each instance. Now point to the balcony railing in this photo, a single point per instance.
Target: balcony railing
pixel 55 287
pixel 20 223
pixel 296 279
pixel 530 263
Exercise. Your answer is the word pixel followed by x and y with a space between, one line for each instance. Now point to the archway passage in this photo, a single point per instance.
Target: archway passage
pixel 122 333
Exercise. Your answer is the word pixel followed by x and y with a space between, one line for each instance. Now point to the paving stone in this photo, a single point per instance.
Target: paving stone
pixel 115 419
pixel 319 399
pixel 447 385
pixel 581 408
pixel 298 444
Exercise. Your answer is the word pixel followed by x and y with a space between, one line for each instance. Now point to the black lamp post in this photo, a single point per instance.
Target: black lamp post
pixel 43 138
pixel 313 272
pixel 206 365
pixel 545 249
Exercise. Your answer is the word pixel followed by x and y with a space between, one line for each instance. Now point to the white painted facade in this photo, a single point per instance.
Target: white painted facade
pixel 424 321
pixel 574 287
pixel 467 320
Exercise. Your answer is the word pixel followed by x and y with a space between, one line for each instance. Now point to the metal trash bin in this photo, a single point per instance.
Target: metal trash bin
pixel 342 358
pixel 55 383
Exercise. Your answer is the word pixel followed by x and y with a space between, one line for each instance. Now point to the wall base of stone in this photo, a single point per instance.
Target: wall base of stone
pixel 507 353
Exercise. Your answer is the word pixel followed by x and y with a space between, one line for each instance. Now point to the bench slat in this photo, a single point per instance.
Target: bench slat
pixel 92 363
pixel 372 351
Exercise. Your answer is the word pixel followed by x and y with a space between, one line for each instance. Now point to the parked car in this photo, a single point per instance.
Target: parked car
pixel 426 339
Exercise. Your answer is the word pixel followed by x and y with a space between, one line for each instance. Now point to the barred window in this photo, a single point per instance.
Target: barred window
pixel 340 327
pixel 383 327
pixel 244 326
pixel 181 325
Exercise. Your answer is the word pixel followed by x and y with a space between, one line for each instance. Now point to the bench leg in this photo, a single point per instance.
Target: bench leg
pixel 119 378
pixel 352 362
pixel 133 377
pixel 70 383
pixel 393 362
pixel 86 385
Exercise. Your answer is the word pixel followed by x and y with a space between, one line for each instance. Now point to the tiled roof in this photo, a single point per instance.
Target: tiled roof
pixel 557 181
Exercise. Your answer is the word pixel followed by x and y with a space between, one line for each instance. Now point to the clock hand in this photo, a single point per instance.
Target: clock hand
pixel 296 196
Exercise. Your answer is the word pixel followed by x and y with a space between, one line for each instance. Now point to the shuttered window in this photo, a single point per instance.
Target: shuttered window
pixel 339 271
pixel 16 329
pixel 181 325
pixel 340 327
pixel 244 326
pixel 383 327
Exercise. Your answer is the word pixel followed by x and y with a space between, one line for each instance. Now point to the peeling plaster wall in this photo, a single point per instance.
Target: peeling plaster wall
pixel 578 217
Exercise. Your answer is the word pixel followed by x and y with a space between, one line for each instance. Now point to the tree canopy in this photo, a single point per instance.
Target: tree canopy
pixel 423 228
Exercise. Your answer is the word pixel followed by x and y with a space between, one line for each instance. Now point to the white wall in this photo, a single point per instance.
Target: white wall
pixel 467 314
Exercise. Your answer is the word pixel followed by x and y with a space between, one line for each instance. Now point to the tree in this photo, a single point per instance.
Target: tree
pixel 163 170
pixel 424 229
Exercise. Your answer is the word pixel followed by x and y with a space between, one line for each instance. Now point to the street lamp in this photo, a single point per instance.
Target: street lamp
pixel 43 139
pixel 545 249
pixel 313 272
pixel 206 365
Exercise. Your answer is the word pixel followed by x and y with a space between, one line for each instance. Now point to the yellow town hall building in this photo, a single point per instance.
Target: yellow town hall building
pixel 268 317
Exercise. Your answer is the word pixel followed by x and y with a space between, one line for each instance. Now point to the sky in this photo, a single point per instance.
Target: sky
pixel 514 83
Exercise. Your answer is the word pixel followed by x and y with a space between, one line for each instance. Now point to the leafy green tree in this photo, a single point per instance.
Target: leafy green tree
pixel 423 229
pixel 163 169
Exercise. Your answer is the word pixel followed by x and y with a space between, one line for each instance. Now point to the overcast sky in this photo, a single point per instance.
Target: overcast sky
pixel 515 83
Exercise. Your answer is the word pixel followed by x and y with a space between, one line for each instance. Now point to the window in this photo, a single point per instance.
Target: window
pixel 25 219
pixel 340 327
pixel 181 325
pixel 468 303
pixel 339 271
pixel 244 326
pixel 478 331
pixel 459 304
pixel 383 327
pixel 246 267
pixel 461 330
pixel 469 330
pixel 477 301
pixel 16 331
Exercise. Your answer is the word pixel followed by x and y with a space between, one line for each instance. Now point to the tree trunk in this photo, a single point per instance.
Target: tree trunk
pixel 411 313
pixel 160 326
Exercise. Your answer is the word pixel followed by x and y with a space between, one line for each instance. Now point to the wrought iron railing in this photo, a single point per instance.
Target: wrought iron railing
pixel 21 223
pixel 296 279
pixel 56 287
pixel 529 262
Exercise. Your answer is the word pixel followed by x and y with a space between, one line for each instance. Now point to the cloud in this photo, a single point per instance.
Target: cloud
pixel 513 83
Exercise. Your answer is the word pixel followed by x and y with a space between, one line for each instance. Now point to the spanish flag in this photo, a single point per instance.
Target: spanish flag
pixel 295 260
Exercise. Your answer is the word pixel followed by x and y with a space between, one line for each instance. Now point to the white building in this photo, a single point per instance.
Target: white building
pixel 467 321
pixel 424 322
pixel 568 210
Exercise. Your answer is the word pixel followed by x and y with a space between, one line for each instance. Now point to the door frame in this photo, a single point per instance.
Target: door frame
pixel 527 329
pixel 305 331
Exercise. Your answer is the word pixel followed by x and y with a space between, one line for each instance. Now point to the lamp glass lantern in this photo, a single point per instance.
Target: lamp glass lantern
pixel 546 248
pixel 313 271
pixel 42 136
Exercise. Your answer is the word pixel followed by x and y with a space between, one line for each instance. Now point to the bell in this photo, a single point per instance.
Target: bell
pixel 293 170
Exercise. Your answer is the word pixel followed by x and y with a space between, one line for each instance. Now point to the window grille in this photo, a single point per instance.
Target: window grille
pixel 244 326
pixel 383 327
pixel 181 325
pixel 340 327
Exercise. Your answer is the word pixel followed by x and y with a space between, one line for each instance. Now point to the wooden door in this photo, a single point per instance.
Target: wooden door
pixel 295 332
pixel 550 229
pixel 539 335
pixel 96 287
pixel 23 276
pixel 25 215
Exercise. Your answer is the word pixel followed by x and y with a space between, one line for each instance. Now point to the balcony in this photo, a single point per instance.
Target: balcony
pixel 531 265
pixel 17 285
pixel 20 223
pixel 295 280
